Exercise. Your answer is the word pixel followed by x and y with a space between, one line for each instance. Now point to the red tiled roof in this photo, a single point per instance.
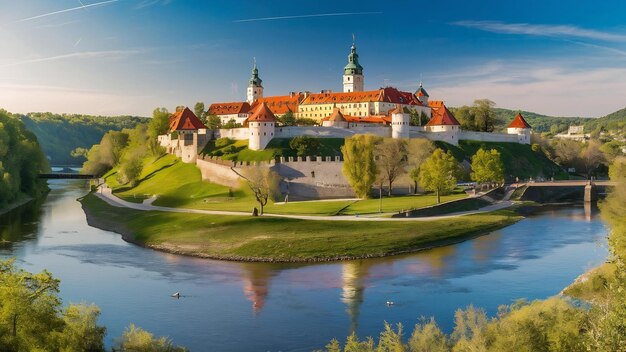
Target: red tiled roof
pixel 185 119
pixel 435 103
pixel 442 117
pixel 281 104
pixel 519 122
pixel 336 116
pixel 229 108
pixel 261 113
pixel 388 95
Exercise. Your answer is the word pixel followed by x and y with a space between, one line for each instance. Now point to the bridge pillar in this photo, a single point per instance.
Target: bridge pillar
pixel 591 194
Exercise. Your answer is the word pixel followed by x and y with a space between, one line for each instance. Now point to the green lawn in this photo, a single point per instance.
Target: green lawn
pixel 238 150
pixel 180 185
pixel 284 239
pixel 398 203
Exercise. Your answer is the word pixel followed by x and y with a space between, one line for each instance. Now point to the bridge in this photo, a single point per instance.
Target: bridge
pixel 564 190
pixel 66 175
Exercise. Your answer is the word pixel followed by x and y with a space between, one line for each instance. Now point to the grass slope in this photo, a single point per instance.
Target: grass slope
pixel 519 159
pixel 238 150
pixel 177 184
pixel 283 239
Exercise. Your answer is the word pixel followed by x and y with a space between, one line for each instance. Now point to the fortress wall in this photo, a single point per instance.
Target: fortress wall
pixel 233 133
pixel 488 137
pixel 217 171
pixel 330 132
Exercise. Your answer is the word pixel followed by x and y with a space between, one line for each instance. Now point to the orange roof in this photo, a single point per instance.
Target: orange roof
pixel 261 113
pixel 185 119
pixel 336 116
pixel 519 122
pixel 280 104
pixel 435 103
pixel 388 95
pixel 369 119
pixel 229 108
pixel 442 117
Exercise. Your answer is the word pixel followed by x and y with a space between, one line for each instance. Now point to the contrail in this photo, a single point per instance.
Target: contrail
pixel 77 42
pixel 307 16
pixel 67 10
pixel 79 55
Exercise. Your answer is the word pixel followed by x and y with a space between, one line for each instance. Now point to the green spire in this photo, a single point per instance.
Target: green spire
pixel 255 80
pixel 353 66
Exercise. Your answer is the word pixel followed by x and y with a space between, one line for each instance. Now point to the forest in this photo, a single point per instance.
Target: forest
pixel 21 160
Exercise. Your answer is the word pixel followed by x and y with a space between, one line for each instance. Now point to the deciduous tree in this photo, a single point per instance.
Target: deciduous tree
pixel 418 151
pixel 390 160
pixel 200 112
pixel 305 145
pixel 263 183
pixel 438 173
pixel 487 167
pixel 359 166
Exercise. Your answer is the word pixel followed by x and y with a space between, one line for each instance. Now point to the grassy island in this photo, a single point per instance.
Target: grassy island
pixel 283 239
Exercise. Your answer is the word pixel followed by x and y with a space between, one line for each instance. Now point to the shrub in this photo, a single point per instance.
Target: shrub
pixel 222 142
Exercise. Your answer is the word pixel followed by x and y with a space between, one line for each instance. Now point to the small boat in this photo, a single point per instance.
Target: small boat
pixel 390 303
pixel 177 295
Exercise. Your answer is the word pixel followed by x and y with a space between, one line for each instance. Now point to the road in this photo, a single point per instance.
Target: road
pixel 107 195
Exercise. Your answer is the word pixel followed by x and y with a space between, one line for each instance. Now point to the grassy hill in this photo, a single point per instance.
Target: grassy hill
pixel 539 122
pixel 519 159
pixel 59 134
pixel 238 150
pixel 611 122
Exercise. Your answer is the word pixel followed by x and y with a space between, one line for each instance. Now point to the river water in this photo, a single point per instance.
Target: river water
pixel 229 306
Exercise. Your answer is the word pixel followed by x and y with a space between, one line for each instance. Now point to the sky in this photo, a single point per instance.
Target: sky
pixel 127 57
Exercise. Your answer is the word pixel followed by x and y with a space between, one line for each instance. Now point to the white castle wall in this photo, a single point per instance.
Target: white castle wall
pixel 330 132
pixel 232 133
pixel 488 137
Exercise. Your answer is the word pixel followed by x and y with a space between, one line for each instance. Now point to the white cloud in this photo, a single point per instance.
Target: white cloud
pixel 544 30
pixel 551 90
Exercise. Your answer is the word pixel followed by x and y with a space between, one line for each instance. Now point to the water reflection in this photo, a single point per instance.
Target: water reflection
pixel 294 306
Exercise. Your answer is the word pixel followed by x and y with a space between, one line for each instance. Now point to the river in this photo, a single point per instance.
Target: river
pixel 228 306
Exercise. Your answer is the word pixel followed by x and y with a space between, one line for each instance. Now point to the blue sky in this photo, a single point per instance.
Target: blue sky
pixel 130 56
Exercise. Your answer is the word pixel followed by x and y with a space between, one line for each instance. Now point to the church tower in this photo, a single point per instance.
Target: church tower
pixel 353 73
pixel 255 87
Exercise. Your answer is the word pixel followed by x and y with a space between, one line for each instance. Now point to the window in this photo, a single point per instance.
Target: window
pixel 264 133
pixel 348 78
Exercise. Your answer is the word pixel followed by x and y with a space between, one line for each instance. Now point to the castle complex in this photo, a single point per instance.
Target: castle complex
pixel 384 112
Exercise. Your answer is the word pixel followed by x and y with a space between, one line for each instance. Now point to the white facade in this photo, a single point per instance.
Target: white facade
pixel 254 93
pixel 239 118
pixel 523 134
pixel 400 125
pixel 446 133
pixel 353 83
pixel 261 133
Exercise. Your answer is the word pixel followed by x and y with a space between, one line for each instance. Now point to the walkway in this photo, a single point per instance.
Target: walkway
pixel 107 195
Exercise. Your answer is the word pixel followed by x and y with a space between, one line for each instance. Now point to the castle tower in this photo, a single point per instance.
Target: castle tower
pixel 335 120
pixel 255 87
pixel 521 128
pixel 400 123
pixel 353 73
pixel 443 126
pixel 261 126
pixel 422 95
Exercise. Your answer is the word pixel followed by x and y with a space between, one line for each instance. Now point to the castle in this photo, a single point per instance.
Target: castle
pixel 384 112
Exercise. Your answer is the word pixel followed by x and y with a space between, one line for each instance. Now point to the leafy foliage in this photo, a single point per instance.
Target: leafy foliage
pixel 135 339
pixel 438 173
pixel 487 167
pixel 21 160
pixel 359 166
pixel 60 134
pixel 391 155
pixel 305 145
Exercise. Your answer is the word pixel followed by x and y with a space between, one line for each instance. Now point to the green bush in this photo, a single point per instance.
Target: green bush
pixel 222 142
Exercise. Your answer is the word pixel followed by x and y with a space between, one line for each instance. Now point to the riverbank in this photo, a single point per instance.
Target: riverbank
pixel 14 205
pixel 274 239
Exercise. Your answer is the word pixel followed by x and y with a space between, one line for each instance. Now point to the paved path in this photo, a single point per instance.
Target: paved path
pixel 106 194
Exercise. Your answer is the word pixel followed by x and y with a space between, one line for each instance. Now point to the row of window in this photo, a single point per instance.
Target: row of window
pixel 264 133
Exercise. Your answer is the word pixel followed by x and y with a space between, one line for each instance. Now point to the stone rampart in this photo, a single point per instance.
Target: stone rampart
pixel 487 137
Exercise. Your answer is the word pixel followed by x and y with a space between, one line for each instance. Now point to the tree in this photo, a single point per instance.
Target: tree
pixel 28 308
pixel 418 151
pixel 263 183
pixel 566 151
pixel 213 122
pixel 390 160
pixel 135 339
pixel 288 119
pixel 305 145
pixel 466 117
pixel 359 166
pixel 438 173
pixel 130 169
pixel 428 337
pixel 485 117
pixel 200 112
pixel 231 124
pixel 160 122
pixel 487 167
pixel 590 157
pixel 81 331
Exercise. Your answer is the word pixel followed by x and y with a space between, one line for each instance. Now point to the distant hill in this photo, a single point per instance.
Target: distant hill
pixel 539 122
pixel 611 122
pixel 59 134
